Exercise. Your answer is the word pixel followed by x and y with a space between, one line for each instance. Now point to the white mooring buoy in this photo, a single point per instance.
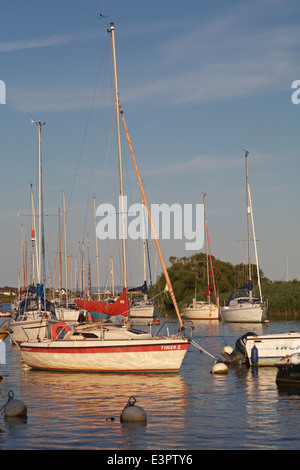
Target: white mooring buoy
pixel 14 407
pixel 227 350
pixel 219 368
pixel 131 412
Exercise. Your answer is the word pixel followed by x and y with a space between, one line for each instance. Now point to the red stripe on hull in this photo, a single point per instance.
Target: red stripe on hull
pixel 107 349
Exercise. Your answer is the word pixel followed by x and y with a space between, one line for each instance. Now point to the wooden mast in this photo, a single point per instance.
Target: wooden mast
pixel 112 32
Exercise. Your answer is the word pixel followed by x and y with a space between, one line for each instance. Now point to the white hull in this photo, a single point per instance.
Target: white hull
pixel 67 314
pixel 201 311
pixel 124 351
pixel 244 313
pixel 273 347
pixel 143 311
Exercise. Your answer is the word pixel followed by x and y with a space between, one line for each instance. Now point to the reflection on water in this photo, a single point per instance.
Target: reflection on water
pixel 66 410
pixel 191 410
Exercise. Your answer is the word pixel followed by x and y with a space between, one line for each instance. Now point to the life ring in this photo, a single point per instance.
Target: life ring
pixel 56 326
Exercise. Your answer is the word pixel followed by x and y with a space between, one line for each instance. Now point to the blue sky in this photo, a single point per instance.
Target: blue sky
pixel 198 81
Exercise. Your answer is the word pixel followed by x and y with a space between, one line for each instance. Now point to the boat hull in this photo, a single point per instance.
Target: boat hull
pixel 271 348
pixel 152 355
pixel 244 313
pixel 29 330
pixel 202 312
pixel 143 312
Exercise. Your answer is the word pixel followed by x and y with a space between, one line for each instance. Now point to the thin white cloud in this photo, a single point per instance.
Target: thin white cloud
pixel 222 57
pixel 63 39
pixel 201 163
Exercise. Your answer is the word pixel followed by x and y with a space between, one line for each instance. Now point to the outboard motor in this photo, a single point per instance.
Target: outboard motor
pixel 239 353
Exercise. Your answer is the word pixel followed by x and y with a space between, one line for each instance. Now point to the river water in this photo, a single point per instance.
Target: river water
pixel 192 410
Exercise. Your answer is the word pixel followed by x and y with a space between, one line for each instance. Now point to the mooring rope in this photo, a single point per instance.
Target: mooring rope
pixel 202 349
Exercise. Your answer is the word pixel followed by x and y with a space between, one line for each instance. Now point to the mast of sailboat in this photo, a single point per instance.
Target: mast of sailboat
pixel 60 269
pixel 40 215
pixel 33 244
pixel 112 32
pixel 168 281
pixel 65 243
pixel 206 251
pixel 97 252
pixel 248 224
pixel 211 265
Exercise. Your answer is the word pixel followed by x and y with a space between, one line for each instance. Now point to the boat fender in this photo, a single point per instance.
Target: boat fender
pixel 14 407
pixel 57 327
pixel 131 412
pixel 254 356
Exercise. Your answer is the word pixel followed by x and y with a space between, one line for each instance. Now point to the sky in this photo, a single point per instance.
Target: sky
pixel 199 82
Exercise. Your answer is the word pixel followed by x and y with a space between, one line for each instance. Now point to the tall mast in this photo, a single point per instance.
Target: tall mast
pixel 32 236
pixel 60 270
pixel 97 252
pixel 205 223
pixel 248 223
pixel 65 242
pixel 40 215
pixel 112 32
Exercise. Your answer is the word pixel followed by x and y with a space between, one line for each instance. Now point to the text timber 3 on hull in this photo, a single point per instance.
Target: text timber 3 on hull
pixel 106 347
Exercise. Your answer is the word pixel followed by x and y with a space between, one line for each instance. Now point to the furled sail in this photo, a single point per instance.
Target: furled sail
pixel 119 307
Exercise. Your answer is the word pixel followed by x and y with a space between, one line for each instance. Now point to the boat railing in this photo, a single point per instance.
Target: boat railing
pixel 181 330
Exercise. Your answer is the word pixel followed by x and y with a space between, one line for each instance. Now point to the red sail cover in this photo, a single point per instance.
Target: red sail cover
pixel 119 307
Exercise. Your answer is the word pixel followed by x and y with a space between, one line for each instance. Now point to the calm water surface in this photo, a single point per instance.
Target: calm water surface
pixel 190 410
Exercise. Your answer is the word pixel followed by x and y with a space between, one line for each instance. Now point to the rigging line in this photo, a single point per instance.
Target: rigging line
pixel 87 125
pixel 94 154
pixel 97 131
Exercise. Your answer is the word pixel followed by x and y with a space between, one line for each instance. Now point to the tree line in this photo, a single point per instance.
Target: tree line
pixel 189 279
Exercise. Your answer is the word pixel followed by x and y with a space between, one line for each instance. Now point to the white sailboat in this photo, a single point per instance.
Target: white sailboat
pixel 104 346
pixel 200 309
pixel 35 315
pixel 242 306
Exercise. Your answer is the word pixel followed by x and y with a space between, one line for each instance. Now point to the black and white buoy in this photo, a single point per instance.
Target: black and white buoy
pixel 14 407
pixel 133 413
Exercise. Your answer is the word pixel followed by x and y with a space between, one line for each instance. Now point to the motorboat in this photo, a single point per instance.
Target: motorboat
pixel 263 350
